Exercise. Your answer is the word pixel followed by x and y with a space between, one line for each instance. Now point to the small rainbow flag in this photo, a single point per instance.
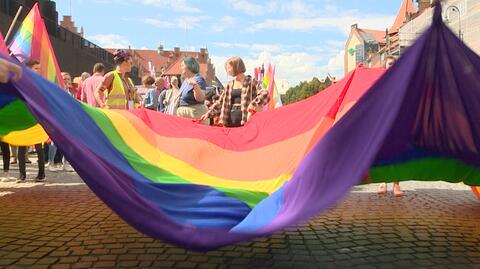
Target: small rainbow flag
pixel 275 99
pixel 269 84
pixel 32 42
pixel 266 78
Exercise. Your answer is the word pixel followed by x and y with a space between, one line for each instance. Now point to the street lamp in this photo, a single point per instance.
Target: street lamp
pixel 447 18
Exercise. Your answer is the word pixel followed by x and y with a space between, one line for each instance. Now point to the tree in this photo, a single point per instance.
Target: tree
pixel 303 90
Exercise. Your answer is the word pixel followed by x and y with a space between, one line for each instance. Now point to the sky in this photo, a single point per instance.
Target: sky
pixel 302 38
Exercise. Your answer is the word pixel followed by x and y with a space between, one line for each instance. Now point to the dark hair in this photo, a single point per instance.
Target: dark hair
pixel 98 68
pixel 120 56
pixel 32 62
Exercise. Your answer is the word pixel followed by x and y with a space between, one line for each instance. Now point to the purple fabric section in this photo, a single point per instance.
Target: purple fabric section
pixel 429 99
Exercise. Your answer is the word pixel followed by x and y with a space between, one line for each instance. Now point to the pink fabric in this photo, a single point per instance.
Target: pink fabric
pixel 90 85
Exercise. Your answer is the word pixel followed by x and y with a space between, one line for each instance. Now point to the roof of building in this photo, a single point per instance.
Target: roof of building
pixel 171 60
pixel 406 9
pixel 175 68
pixel 372 35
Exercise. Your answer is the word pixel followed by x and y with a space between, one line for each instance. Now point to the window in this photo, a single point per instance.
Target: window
pixel 359 54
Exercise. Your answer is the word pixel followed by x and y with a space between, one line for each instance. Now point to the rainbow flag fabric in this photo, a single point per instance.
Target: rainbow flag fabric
pixel 268 83
pixel 17 125
pixel 275 99
pixel 204 187
pixel 267 78
pixel 32 42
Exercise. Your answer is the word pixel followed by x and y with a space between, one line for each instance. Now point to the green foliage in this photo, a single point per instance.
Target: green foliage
pixel 303 90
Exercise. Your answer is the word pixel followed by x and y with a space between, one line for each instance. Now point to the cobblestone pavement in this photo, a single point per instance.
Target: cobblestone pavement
pixel 62 224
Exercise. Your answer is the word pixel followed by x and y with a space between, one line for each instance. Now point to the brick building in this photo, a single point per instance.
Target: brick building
pixel 74 53
pixel 167 62
pixel 69 24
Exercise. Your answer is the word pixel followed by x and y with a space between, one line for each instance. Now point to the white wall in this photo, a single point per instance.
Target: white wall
pixel 469 22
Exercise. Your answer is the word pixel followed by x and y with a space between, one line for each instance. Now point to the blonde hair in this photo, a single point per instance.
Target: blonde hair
pixel 237 65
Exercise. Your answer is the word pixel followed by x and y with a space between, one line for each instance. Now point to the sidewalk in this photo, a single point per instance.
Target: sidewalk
pixel 62 224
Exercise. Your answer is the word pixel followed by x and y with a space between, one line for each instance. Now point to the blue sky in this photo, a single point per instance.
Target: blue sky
pixel 302 38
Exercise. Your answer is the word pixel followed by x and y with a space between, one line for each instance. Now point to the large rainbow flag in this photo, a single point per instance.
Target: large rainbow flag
pixel 32 42
pixel 203 187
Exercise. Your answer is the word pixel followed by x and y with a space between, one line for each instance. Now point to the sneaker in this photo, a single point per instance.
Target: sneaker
pixel 14 161
pixel 51 168
pixel 6 177
pixel 40 178
pixel 67 167
pixel 21 179
pixel 28 161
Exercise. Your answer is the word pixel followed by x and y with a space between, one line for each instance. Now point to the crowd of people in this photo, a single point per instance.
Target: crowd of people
pixel 242 97
pixel 190 99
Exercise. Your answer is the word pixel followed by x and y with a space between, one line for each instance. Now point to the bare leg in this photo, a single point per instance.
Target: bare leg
pixel 382 189
pixel 396 189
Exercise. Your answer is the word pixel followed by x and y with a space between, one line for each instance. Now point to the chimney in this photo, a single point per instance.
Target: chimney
pixel 354 26
pixel 176 50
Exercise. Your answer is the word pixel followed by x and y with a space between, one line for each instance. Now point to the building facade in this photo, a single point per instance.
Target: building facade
pixel 371 50
pixel 462 16
pixel 361 45
pixel 69 24
pixel 167 62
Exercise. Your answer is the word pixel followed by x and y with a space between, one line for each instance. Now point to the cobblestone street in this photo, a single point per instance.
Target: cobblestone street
pixel 62 224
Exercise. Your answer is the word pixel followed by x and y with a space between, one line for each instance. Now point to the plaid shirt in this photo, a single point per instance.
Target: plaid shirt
pixel 251 95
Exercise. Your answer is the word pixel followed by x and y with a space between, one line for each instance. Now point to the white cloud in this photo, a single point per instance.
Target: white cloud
pixel 254 9
pixel 297 8
pixel 231 45
pixel 335 64
pixel 110 41
pixel 180 22
pixel 175 5
pixel 298 15
pixel 225 23
pixel 293 67
pixel 254 48
pixel 342 23
pixel 159 23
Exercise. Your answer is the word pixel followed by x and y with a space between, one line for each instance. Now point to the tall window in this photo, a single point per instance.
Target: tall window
pixel 359 54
